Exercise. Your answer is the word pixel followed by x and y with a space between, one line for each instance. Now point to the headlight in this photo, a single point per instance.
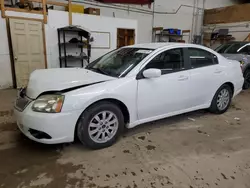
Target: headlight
pixel 48 104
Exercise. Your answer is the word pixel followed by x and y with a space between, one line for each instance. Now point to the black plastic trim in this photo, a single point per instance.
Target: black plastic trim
pixel 39 134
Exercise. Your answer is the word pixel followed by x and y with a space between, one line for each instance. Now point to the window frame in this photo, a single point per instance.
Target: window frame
pixel 185 58
pixel 215 59
pixel 246 46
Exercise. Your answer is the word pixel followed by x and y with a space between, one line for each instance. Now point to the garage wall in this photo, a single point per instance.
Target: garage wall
pixel 5 66
pixel 209 4
pixel 168 14
pixel 177 13
pixel 238 30
pixel 57 19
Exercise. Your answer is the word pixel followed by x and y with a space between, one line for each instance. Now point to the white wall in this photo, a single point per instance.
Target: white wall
pixel 57 19
pixel 168 14
pixel 220 3
pixel 5 66
pixel 163 17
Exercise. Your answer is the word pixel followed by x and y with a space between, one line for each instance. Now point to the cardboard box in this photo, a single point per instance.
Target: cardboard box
pixel 76 8
pixel 207 36
pixel 93 11
pixel 230 14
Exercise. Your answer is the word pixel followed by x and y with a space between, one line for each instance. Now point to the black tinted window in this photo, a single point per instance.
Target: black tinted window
pixel 222 48
pixel 233 49
pixel 245 50
pixel 230 48
pixel 168 61
pixel 201 58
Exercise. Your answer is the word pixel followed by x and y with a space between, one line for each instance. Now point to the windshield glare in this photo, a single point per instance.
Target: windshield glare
pixel 119 62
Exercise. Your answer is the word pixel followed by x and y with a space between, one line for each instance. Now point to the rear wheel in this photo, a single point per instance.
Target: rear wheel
pixel 100 125
pixel 247 80
pixel 222 100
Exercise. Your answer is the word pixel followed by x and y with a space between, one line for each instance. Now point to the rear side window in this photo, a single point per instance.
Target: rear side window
pixel 201 58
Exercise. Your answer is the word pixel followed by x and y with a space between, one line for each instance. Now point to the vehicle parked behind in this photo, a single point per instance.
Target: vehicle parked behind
pixel 239 51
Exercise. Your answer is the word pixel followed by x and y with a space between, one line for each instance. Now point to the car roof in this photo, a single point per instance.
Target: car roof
pixel 162 44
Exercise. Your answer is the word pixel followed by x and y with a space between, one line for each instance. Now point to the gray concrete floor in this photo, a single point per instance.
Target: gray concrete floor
pixel 194 150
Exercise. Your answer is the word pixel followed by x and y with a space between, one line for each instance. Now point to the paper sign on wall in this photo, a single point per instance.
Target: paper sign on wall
pixel 101 39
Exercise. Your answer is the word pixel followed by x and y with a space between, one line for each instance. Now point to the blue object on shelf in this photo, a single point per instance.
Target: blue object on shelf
pixel 178 32
pixel 171 31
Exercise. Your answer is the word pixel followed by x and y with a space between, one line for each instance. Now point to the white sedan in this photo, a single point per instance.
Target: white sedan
pixel 126 87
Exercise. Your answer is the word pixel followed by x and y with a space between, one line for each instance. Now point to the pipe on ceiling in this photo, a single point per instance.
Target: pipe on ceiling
pixel 138 10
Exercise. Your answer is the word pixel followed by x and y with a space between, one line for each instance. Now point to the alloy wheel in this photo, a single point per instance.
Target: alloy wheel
pixel 223 99
pixel 103 127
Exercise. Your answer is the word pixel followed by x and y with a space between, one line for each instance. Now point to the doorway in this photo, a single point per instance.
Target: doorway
pixel 28 50
pixel 125 37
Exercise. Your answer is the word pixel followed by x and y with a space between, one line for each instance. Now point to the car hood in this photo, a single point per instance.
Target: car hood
pixel 60 79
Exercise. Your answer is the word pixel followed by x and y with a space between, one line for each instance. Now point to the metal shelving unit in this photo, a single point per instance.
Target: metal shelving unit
pixel 67 59
pixel 160 35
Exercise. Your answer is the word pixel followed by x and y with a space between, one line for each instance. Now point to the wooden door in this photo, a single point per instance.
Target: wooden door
pixel 125 37
pixel 28 48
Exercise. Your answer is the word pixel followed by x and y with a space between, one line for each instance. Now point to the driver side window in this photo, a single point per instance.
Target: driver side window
pixel 168 61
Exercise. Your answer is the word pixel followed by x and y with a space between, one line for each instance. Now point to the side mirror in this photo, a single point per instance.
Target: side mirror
pixel 152 73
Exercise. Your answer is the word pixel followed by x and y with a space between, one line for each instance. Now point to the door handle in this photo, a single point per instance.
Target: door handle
pixel 182 78
pixel 217 71
pixel 15 58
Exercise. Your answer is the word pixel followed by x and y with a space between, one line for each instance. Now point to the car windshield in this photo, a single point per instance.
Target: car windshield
pixel 120 62
pixel 231 48
pixel 221 49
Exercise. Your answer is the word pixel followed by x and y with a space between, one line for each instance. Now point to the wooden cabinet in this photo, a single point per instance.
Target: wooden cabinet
pixel 125 37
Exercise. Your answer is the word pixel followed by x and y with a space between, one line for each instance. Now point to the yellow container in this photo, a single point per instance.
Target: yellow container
pixel 77 8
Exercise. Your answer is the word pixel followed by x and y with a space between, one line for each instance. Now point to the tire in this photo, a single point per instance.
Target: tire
pixel 91 124
pixel 215 106
pixel 246 84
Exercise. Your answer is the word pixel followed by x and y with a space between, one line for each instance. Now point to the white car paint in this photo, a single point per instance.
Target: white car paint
pixel 59 79
pixel 146 99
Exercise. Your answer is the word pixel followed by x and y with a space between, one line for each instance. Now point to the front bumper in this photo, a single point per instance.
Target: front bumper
pixel 47 128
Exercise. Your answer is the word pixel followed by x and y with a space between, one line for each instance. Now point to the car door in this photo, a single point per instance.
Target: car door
pixel 167 93
pixel 205 76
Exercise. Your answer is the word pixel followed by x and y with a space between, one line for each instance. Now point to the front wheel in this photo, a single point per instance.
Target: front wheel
pixel 222 100
pixel 100 125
